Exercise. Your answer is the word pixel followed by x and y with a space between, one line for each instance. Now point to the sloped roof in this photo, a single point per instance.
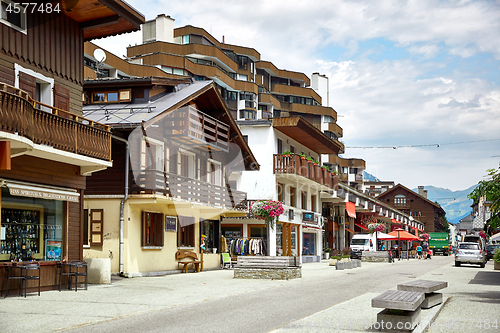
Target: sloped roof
pixel 385 194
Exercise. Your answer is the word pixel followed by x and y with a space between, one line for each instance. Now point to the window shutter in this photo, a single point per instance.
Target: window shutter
pixel 143 233
pixel 96 226
pixel 159 233
pixel 61 98
pixel 28 84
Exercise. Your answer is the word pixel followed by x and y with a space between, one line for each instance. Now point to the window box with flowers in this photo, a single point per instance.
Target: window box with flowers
pixel 268 210
pixel 287 153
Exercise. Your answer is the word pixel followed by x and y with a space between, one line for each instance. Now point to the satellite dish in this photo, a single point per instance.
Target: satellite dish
pixel 99 55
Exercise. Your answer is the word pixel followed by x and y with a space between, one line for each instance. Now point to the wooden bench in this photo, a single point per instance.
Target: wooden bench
pixel 401 308
pixel 188 254
pixel 428 287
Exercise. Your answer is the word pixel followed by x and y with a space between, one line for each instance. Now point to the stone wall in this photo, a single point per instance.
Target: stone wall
pixel 268 273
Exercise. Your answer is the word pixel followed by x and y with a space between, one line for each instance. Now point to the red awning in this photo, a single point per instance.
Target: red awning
pixel 350 207
pixel 361 226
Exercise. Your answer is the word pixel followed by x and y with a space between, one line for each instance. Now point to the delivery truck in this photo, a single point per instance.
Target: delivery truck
pixel 439 242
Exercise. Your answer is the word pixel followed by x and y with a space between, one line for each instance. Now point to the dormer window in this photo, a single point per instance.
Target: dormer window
pixel 119 96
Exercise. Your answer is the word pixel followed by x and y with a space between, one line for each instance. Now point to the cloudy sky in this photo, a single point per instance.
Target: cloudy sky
pixel 409 75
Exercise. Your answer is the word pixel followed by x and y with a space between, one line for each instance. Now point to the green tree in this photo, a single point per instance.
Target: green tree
pixel 490 190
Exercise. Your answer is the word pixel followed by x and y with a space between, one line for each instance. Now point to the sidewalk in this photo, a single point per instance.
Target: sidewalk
pixel 56 311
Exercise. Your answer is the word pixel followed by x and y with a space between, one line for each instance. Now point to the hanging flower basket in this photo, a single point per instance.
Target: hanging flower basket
pixel 268 210
pixel 425 237
pixel 372 227
pixel 482 234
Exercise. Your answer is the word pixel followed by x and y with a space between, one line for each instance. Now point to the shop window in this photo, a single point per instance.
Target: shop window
pixel 185 232
pixel 152 229
pixel 309 243
pixel 210 228
pixel 96 226
pixel 32 228
pixel 14 15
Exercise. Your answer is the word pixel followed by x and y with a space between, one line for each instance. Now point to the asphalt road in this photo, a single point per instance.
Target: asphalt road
pixel 263 310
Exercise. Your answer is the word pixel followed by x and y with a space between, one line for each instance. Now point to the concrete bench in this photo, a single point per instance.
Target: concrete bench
pixel 401 309
pixel 428 287
pixel 264 267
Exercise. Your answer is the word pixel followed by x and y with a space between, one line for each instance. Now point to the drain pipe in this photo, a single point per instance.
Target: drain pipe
pixel 122 203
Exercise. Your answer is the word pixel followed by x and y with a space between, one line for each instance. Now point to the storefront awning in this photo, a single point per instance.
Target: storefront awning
pixel 350 207
pixel 42 192
pixel 361 226
pixel 311 226
pixel 351 231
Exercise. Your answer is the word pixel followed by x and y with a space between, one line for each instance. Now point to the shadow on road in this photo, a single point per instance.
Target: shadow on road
pixel 486 278
pixel 492 297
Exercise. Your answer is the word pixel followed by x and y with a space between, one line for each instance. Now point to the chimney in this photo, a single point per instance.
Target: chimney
pixel 159 29
pixel 223 40
pixel 422 192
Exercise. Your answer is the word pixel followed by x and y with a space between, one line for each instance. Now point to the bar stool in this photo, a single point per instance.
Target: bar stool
pixel 32 267
pixel 80 269
pixel 9 273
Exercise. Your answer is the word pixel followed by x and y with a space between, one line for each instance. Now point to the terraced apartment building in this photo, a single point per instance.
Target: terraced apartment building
pixel 253 89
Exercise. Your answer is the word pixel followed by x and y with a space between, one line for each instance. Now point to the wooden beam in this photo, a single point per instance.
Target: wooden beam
pixel 99 23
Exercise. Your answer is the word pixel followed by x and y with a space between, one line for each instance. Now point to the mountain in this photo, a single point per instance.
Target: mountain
pixel 455 203
pixel 369 177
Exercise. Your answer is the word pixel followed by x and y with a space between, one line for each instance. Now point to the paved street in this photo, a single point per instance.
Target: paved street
pixel 214 301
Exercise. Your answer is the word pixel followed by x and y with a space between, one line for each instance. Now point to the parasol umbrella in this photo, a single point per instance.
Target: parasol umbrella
pixel 382 236
pixel 403 235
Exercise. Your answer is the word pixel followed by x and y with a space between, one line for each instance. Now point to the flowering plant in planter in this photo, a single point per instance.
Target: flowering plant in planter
pixel 287 153
pixel 425 237
pixel 372 227
pixel 482 234
pixel 268 210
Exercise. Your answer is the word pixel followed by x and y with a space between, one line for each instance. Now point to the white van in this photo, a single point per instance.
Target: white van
pixel 362 242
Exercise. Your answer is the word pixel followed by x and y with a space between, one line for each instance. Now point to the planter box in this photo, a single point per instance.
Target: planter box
pixel 340 265
pixel 496 265
pixel 332 262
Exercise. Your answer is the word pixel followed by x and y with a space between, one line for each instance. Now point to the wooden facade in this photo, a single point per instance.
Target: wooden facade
pixel 41 78
pixel 415 205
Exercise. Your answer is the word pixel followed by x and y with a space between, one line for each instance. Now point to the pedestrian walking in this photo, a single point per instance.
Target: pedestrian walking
pixel 419 252
pixel 425 249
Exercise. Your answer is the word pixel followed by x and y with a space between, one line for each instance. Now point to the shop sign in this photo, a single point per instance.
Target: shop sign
pixel 32 193
pixel 53 249
pixel 171 223
pixel 308 216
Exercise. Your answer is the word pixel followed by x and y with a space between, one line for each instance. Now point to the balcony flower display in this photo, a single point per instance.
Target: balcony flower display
pixel 372 227
pixel 425 237
pixel 287 153
pixel 268 210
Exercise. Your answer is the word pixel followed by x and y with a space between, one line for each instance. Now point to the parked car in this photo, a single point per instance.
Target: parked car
pixel 475 239
pixel 470 253
pixel 490 250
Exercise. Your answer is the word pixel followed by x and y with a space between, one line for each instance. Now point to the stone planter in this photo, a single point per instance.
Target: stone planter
pixel 340 265
pixel 348 264
pixel 326 255
pixel 345 260
pixel 358 262
pixel 332 262
pixel 496 265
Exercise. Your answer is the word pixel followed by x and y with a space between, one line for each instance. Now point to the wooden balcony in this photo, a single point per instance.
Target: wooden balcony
pixel 188 189
pixel 51 126
pixel 297 166
pixel 189 125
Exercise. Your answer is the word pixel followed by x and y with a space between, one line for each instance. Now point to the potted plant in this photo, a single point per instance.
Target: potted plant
pixel 268 210
pixel 425 237
pixel 287 153
pixel 326 253
pixel 309 159
pixel 315 162
pixel 496 260
pixel 302 156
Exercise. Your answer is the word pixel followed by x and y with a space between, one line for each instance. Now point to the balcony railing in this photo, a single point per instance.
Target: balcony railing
pixel 189 122
pixel 189 189
pixel 295 165
pixel 54 127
